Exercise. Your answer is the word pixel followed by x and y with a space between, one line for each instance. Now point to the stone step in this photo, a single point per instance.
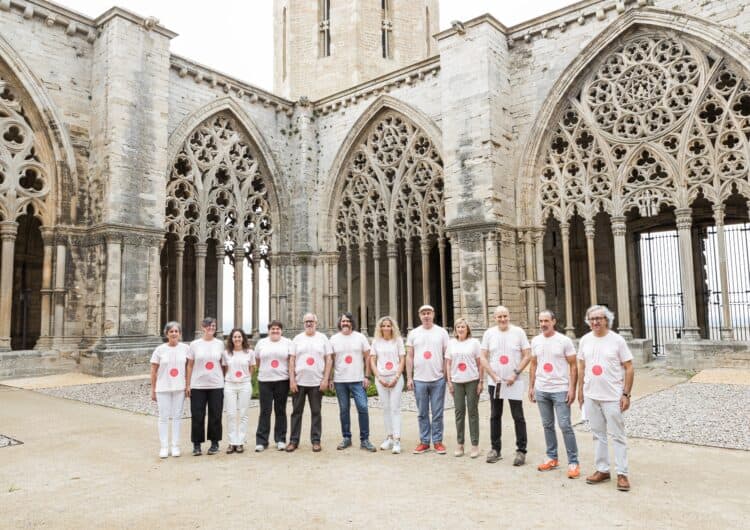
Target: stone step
pixel 34 363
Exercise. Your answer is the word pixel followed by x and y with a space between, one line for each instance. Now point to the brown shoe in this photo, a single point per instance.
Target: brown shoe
pixel 316 448
pixel 597 477
pixel 291 447
pixel 622 483
pixel 230 449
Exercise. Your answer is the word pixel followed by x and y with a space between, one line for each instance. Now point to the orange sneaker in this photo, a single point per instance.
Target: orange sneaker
pixel 548 465
pixel 421 448
pixel 574 471
pixel 440 448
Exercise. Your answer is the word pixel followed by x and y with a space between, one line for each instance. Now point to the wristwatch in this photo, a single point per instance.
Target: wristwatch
pixel 516 372
pixel 627 395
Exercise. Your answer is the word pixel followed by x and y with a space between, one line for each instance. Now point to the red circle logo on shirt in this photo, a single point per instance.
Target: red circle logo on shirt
pixel 597 370
pixel 174 372
pixel 547 367
pixel 389 365
pixel 348 359
pixel 462 367
pixel 238 373
pixel 274 364
pixel 209 365
pixel 428 355
pixel 503 359
pixel 310 361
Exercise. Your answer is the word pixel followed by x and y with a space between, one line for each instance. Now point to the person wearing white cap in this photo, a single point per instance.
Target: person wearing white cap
pixel 425 374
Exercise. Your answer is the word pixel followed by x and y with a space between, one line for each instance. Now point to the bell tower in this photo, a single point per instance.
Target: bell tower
pixel 324 46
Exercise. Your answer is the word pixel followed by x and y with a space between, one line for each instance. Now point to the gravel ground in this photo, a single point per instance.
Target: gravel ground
pixel 694 413
pixel 7 442
pixel 134 396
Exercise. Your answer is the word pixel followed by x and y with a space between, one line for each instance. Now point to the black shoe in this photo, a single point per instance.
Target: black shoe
pixel 239 449
pixel 346 442
pixel 214 448
pixel 197 450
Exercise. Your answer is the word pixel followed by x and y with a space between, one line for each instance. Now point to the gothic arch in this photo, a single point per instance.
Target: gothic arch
pixel 337 174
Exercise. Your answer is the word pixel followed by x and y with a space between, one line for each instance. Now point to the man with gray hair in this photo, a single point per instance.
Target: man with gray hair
pixel 606 365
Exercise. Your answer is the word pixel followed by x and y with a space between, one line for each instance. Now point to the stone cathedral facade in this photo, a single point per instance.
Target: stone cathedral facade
pixel 393 165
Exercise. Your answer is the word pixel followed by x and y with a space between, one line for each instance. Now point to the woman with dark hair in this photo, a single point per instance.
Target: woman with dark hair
pixel 238 361
pixel 168 383
pixel 206 376
pixel 272 357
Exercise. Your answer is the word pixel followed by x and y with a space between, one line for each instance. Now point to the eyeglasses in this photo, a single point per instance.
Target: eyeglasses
pixel 309 322
pixel 595 319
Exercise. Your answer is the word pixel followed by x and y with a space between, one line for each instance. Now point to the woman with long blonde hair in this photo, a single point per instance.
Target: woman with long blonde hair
pixel 387 358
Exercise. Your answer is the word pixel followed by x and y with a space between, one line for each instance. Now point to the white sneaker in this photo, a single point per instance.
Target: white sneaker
pixel 281 446
pixel 175 451
pixel 387 444
pixel 259 448
pixel 163 452
pixel 396 447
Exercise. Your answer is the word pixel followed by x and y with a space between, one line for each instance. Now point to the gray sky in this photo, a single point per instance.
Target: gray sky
pixel 236 37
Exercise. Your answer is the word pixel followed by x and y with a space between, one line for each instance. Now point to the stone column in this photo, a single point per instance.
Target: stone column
pixel 363 288
pixel 200 287
pixel 565 237
pixel 425 247
pixel 541 299
pixel 443 285
pixel 58 318
pixel 621 278
pixel 46 291
pixel 154 278
pixel 111 284
pixel 727 333
pixel 220 255
pixel 179 253
pixel 528 253
pixel 8 231
pixel 256 294
pixel 684 220
pixel 376 274
pixel 409 283
pixel 334 289
pixel 392 252
pixel 348 279
pixel 239 265
pixel 590 231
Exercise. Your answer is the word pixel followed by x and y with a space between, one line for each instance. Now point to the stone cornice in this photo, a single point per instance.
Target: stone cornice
pixel 150 23
pixel 72 22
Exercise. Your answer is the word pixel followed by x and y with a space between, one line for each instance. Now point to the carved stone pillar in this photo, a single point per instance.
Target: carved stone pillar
pixel 590 231
pixel 621 278
pixel 425 248
pixel 112 287
pixel 727 333
pixel 443 285
pixel 8 231
pixel 179 253
pixel 58 317
pixel 200 287
pixel 376 274
pixel 528 254
pixel 220 255
pixel 334 265
pixel 256 294
pixel 46 291
pixel 409 282
pixel 541 299
pixel 363 288
pixel 348 279
pixel 392 253
pixel 684 220
pixel 565 236
pixel 239 265
pixel 153 320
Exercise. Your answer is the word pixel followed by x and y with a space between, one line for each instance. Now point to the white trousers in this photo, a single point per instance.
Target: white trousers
pixel 605 418
pixel 391 400
pixel 236 402
pixel 170 406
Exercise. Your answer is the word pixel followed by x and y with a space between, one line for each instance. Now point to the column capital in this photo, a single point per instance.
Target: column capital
pixel 719 212
pixel 48 235
pixel 179 246
pixel 376 251
pixel 565 228
pixel 221 252
pixel 391 249
pixel 618 225
pixel 239 251
pixel 201 250
pixel 408 246
pixel 684 218
pixel 425 246
pixel 589 227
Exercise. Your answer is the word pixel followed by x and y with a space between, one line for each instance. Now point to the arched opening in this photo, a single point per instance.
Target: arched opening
pixel 26 313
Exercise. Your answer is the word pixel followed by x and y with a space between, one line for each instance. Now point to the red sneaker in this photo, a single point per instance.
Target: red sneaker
pixel 440 448
pixel 421 448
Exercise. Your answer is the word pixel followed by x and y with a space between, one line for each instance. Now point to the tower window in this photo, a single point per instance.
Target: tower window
pixel 386 32
pixel 324 28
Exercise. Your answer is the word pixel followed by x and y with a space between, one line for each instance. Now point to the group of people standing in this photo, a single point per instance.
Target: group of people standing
pixel 214 375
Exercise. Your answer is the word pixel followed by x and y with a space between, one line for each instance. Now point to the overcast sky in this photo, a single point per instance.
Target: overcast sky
pixel 236 36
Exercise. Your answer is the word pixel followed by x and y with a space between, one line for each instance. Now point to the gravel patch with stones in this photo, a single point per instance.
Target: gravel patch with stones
pixel 7 442
pixel 135 396
pixel 693 413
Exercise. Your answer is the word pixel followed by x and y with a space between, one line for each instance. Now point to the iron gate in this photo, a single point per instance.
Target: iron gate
pixel 661 297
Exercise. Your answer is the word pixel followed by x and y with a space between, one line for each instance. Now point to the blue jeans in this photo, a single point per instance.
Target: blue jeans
pixel 551 404
pixel 345 391
pixel 430 395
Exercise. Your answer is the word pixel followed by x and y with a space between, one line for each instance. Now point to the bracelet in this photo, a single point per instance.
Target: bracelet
pixel 627 395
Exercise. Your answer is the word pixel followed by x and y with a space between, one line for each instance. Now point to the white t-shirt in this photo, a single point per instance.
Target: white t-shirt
pixel 604 378
pixel 505 351
pixel 349 365
pixel 171 360
pixel 310 352
pixel 207 371
pixel 429 346
pixel 388 354
pixel 238 366
pixel 273 359
pixel 552 369
pixel 464 356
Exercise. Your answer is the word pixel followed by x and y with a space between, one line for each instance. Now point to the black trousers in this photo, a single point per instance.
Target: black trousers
pixel 273 395
pixel 496 421
pixel 200 399
pixel 315 397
